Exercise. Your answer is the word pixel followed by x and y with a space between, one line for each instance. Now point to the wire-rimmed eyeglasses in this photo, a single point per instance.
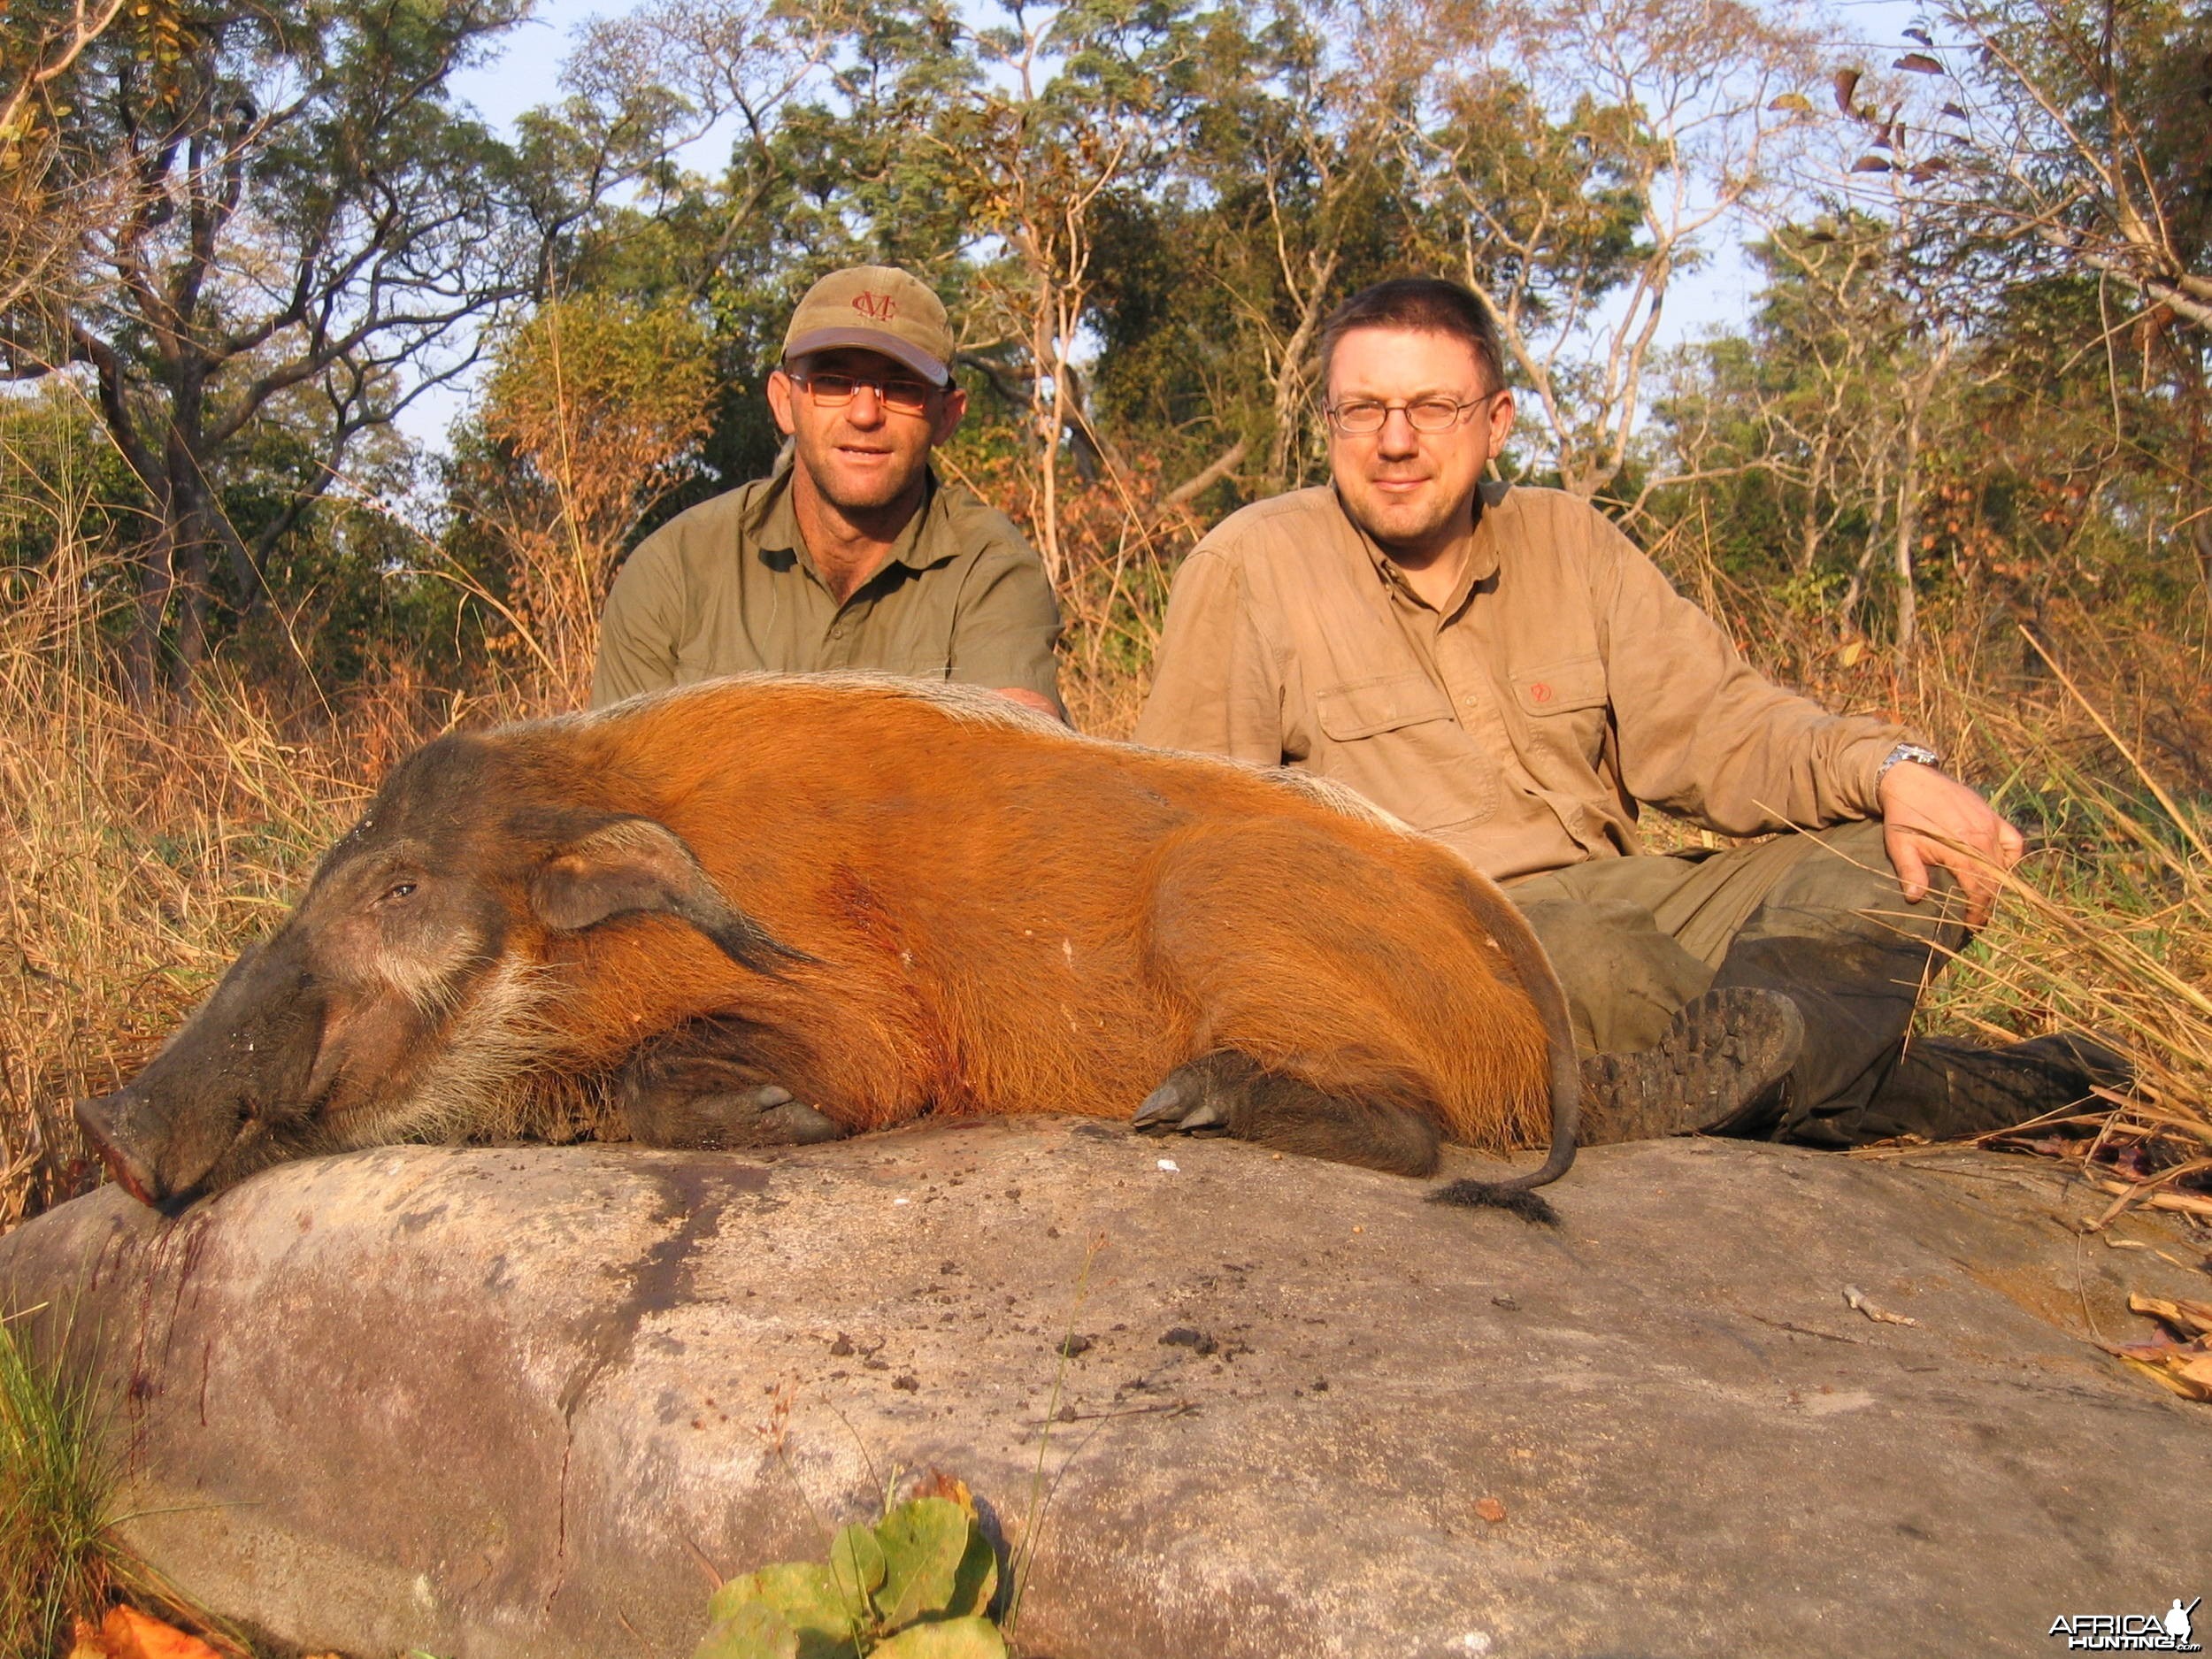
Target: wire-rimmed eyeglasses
pixel 1363 416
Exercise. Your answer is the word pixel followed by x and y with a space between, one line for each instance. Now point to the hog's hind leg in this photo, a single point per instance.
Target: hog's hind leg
pixel 1228 1093
pixel 1307 972
pixel 689 1091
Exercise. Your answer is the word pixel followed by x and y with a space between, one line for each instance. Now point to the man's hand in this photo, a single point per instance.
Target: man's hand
pixel 1929 819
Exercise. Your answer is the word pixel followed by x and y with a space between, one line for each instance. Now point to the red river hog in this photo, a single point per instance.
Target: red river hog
pixel 771 909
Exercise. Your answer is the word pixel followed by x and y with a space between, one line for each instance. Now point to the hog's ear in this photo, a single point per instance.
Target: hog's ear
pixel 636 866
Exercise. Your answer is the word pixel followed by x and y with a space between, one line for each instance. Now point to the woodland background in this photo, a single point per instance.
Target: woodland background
pixel 1956 461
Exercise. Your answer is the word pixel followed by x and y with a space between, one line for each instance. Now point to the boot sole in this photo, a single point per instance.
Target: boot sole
pixel 1725 1054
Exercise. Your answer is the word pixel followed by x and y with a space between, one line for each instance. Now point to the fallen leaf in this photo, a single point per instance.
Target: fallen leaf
pixel 1849 655
pixel 2192 1318
pixel 128 1634
pixel 1491 1510
pixel 2178 1384
pixel 1856 1298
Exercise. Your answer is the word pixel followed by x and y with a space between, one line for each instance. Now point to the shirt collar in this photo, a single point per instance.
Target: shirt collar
pixel 921 544
pixel 1482 554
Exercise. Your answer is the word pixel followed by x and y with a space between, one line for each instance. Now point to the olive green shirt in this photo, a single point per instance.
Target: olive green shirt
pixel 1563 684
pixel 728 587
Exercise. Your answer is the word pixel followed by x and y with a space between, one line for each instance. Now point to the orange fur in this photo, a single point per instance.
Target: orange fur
pixel 1008 917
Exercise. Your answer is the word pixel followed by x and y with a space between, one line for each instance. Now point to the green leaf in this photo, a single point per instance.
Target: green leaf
pixel 923 1543
pixel 977 1580
pixel 802 1592
pixel 754 1630
pixel 952 1639
pixel 856 1566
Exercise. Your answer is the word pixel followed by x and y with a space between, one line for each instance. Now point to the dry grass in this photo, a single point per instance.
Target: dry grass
pixel 2093 731
pixel 136 852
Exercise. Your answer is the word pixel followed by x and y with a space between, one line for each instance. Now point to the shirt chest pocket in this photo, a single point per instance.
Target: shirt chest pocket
pixel 1369 708
pixel 1395 741
pixel 1565 701
pixel 1561 688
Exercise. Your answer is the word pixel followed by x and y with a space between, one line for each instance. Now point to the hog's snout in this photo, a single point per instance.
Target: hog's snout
pixel 125 1132
pixel 159 1148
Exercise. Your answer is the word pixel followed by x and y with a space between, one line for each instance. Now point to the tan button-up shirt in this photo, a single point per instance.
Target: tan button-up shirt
pixel 1564 682
pixel 728 587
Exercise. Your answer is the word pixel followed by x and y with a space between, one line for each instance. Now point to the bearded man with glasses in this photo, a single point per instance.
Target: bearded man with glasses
pixel 1500 667
pixel 852 555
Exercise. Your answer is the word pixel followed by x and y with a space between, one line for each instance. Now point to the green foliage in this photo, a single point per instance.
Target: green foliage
pixel 60 478
pixel 288 226
pixel 917 1585
pixel 601 373
pixel 1138 212
pixel 55 1559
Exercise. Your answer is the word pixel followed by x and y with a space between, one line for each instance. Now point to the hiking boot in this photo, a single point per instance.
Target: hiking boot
pixel 1720 1064
pixel 1944 1089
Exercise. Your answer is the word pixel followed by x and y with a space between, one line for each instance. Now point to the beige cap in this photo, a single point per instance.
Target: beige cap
pixel 879 308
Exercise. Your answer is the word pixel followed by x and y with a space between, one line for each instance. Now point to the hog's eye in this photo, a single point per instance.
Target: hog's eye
pixel 397 891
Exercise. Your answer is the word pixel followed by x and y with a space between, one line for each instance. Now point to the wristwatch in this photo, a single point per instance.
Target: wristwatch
pixel 1919 753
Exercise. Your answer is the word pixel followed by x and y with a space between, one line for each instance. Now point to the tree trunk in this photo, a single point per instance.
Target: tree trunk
pixel 191 610
pixel 155 578
pixel 1293 388
pixel 1908 533
pixel 1050 415
pixel 1909 504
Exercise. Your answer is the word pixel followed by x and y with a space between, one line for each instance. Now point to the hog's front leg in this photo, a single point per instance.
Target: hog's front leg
pixel 688 1090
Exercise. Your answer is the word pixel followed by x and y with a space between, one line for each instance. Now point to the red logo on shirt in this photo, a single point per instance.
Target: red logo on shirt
pixel 881 307
pixel 1540 693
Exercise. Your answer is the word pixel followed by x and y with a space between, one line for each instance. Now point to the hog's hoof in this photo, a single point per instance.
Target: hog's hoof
pixel 766 1116
pixel 1189 1102
pixel 793 1122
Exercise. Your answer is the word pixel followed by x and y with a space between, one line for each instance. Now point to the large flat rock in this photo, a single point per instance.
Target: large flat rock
pixel 525 1401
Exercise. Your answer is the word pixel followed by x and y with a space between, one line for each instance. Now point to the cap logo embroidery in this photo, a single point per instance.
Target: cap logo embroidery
pixel 879 307
pixel 1540 693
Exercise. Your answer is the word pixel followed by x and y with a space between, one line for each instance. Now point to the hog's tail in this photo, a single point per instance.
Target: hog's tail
pixel 1534 968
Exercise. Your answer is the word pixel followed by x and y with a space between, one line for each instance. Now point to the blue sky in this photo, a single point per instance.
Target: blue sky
pixel 526 74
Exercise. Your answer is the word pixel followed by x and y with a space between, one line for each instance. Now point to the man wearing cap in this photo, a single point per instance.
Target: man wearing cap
pixel 852 555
